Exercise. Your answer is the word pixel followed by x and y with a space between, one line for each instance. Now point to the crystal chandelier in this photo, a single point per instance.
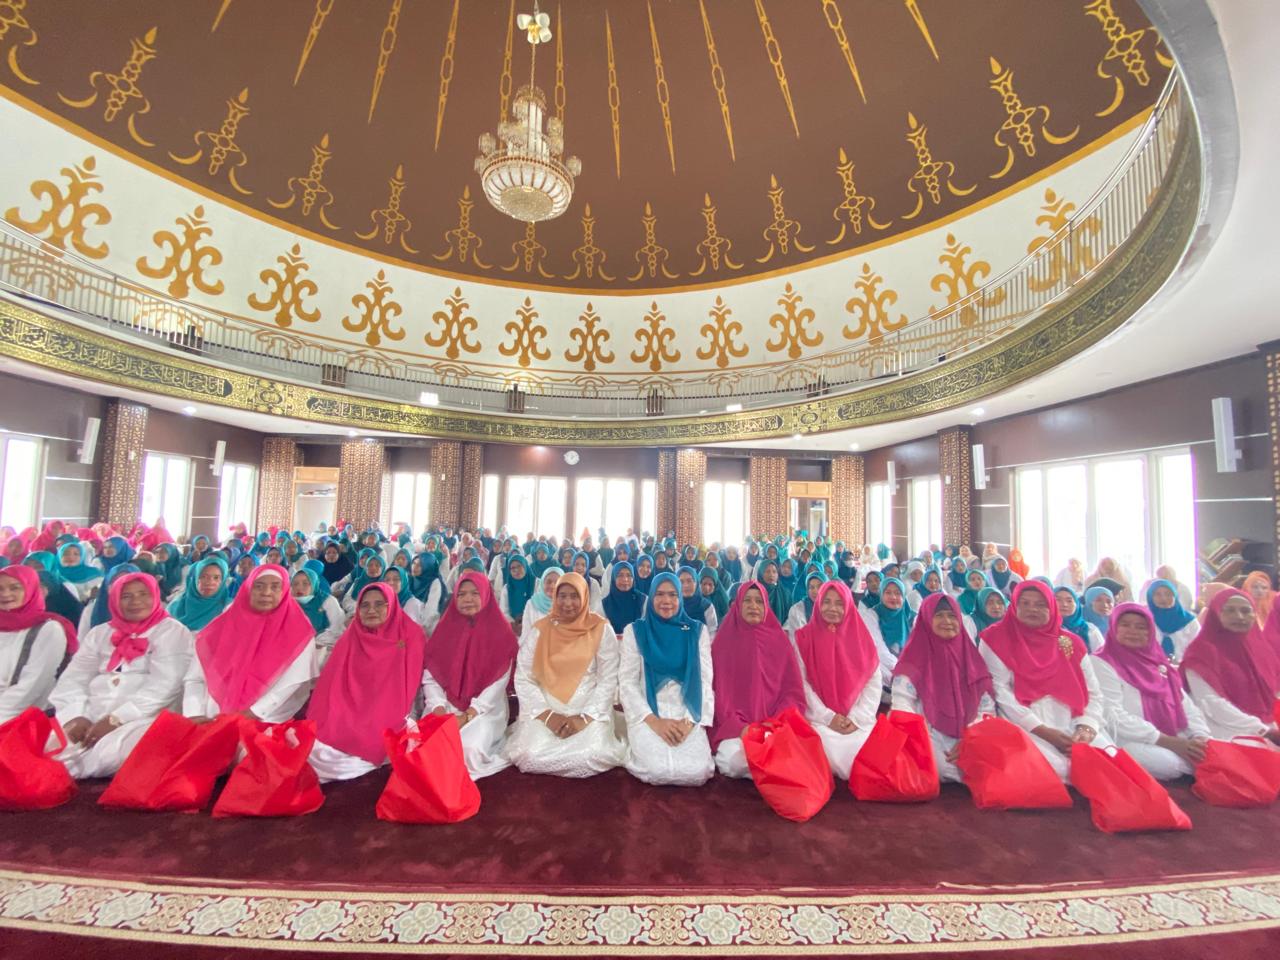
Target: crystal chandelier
pixel 523 170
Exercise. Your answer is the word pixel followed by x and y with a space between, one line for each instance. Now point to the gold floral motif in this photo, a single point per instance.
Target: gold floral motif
pixel 1069 245
pixel 719 334
pixel 456 327
pixel 288 289
pixel 872 308
pixel 717 78
pixel 1125 46
pixel 376 312
pixel 307 190
pixel 526 336
pixel 313 33
pixel 446 71
pixel 664 91
pixel 1019 119
pixel 125 95
pixel 463 242
pixel 652 257
pixel 713 249
pixel 615 98
pixel 774 52
pixel 386 43
pixel 588 258
pixel 836 22
pixel 793 326
pixel 529 253
pixel 783 232
pixel 68 215
pixel 655 341
pixel 961 281
pixel 13 22
pixel 931 175
pixel 591 339
pixel 849 211
pixel 188 257
pixel 393 224
pixel 222 144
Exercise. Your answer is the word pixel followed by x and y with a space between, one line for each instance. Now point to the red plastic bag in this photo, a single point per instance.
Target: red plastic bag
pixel 1122 796
pixel 274 778
pixel 429 780
pixel 896 764
pixel 1234 774
pixel 30 779
pixel 175 764
pixel 788 765
pixel 1004 770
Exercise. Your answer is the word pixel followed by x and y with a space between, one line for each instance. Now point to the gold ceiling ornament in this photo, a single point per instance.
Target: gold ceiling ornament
pixel 848 213
pixel 125 95
pixel 222 144
pixel 913 8
pixel 591 339
pixel 377 311
pixel 526 336
pixel 713 249
pixel 389 220
pixel 652 256
pixel 69 215
pixel 288 288
pixel 836 22
pixel 464 243
pixel 446 71
pixel 188 258
pixel 719 334
pixel 793 326
pixel 1069 260
pixel 774 52
pixel 386 44
pixel 1125 46
pixel 13 23
pixel 931 175
pixel 456 327
pixel 717 78
pixel 523 170
pixel 222 12
pixel 871 308
pixel 615 98
pixel 782 233
pixel 318 16
pixel 588 258
pixel 1019 120
pixel 307 190
pixel 655 341
pixel 559 97
pixel 961 281
pixel 529 253
pixel 663 90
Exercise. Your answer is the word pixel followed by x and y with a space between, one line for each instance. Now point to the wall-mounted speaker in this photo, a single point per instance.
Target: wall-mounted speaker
pixel 89 441
pixel 979 467
pixel 219 455
pixel 892 474
pixel 1224 436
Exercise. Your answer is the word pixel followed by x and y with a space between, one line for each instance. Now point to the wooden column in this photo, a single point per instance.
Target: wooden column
pixel 446 483
pixel 691 478
pixel 360 482
pixel 769 501
pixel 120 480
pixel 472 478
pixel 275 484
pixel 849 499
pixel 955 464
pixel 665 512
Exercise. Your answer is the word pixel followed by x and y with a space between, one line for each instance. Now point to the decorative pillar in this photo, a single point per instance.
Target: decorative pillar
pixel 691 477
pixel 275 482
pixel 666 493
pixel 1272 352
pixel 955 464
pixel 446 482
pixel 120 480
pixel 472 480
pixel 769 500
pixel 849 499
pixel 360 475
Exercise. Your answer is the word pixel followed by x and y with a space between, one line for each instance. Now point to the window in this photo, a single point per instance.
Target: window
pixel 925 519
pixel 19 481
pixel 880 515
pixel 411 499
pixel 237 497
pixel 1031 518
pixel 1120 512
pixel 489 501
pixel 724 512
pixel 1177 499
pixel 552 495
pixel 537 505
pixel 606 504
pixel 649 506
pixel 166 491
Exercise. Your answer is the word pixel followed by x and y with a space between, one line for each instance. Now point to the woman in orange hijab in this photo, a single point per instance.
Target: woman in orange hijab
pixel 1258 586
pixel 1018 563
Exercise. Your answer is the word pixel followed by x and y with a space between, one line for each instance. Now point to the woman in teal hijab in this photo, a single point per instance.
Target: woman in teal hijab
pixel 894 615
pixel 710 586
pixel 170 568
pixel 975 581
pixel 205 596
pixel 989 608
pixel 517 587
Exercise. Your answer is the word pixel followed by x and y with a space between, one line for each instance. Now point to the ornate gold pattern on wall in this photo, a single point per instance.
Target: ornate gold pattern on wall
pixel 931 175
pixel 836 22
pixel 1272 353
pixel 390 221
pixel 914 9
pixel 652 256
pixel 1125 46
pixel 655 341
pixel 588 258
pixel 120 476
pixel 360 469
pixel 591 339
pixel 280 455
pixel 446 482
pixel 386 44
pixel 720 334
pixel 1067 261
pixel 849 499
pixel 848 213
pixel 792 326
pixel 526 336
pixel 713 248
pixel 464 243
pixel 529 253
pixel 663 90
pixel 17 31
pixel 222 12
pixel 68 216
pixel 717 78
pixel 288 288
pixel 307 190
pixel 871 307
pixel 774 52
pixel 955 463
pixel 456 327
pixel 318 17
pixel 377 311
pixel 615 99
pixel 446 70
pixel 125 96
pixel 472 480
pixel 767 477
pixel 1020 120
pixel 188 257
pixel 782 233
pixel 961 281
pixel 222 144
pixel 665 493
pixel 691 478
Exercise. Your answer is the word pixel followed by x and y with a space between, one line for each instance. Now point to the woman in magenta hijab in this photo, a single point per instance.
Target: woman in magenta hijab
pixel 1043 676
pixel 52 638
pixel 754 675
pixel 840 675
pixel 468 663
pixel 1233 672
pixel 942 677
pixel 1152 717
pixel 368 685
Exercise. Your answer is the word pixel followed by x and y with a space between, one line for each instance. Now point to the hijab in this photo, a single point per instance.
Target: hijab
pixel 1168 620
pixel 1242 667
pixel 839 658
pixel 335 571
pixel 518 591
pixel 949 674
pixel 695 607
pixel 895 625
pixel 404 594
pixel 1017 564
pixel 541 602
pixel 1077 623
pixel 719 598
pixel 731 564
pixel 622 607
pixel 32 611
pixel 957 574
pixel 1001 577
pixel 1148 669
pixel 979 615
pixel 467 654
pixel 968 599
pixel 565 648
pixel 920 587
pixel 360 576
pixel 313 603
pixel 101 608
pixel 80 572
pixel 1092 615
pixel 1044 661
pixel 169 573
pixel 779 600
pixel 670 650
pixel 420 584
pixel 644 583
pixel 193 610
pixel 128 637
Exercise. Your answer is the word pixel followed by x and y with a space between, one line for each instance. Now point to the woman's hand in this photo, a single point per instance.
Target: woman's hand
pixel 1055 738
pixel 100 730
pixel 671 732
pixel 573 726
pixel 76 729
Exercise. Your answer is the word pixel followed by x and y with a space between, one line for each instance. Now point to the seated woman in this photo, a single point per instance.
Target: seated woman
pixel 755 675
pixel 79 575
pixel 929 584
pixel 955 582
pixel 1151 716
pixel 33 643
pixel 567 682
pixel 466 670
pixel 775 594
pixel 1098 604
pixel 715 564
pixel 582 567
pixel 240 573
pixel 942 677
pixel 889 623
pixel 801 611
pixel 1003 577
pixel 644 574
pixel 337 565
pixel 171 569
pixel 368 685
pixel 989 609
pixel 539 604
pixel 1233 672
pixel 427 584
pixel 1073 619
pixel 398 579
pixel 1043 677
pixel 623 604
pixel 664 682
pixel 696 606
pixel 713 590
pixel 322 611
pixel 204 596
pixel 872 580
pixel 124 673
pixel 257 658
pixel 840 674
pixel 514 589
pixel 1176 625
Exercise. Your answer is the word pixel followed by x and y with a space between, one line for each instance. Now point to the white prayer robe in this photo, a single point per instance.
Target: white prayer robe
pixel 484 736
pixel 1182 639
pixel 1225 720
pixel 841 748
pixel 796 618
pixel 1133 733
pixel 649 757
pixel 134 693
pixel 531 616
pixel 327 637
pixel 888 660
pixel 81 591
pixel 38 676
pixel 906 697
pixel 278 703
pixel 535 749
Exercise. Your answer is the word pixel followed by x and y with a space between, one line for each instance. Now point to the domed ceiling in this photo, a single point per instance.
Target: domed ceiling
pixel 721 140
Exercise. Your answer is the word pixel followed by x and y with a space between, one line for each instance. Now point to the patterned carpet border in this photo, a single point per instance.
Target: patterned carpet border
pixel 530 924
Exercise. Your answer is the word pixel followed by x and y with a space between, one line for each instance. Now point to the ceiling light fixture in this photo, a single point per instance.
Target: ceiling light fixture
pixel 733 408
pixel 189 411
pixel 977 411
pixel 427 398
pixel 351 433
pixel 854 446
pixel 796 436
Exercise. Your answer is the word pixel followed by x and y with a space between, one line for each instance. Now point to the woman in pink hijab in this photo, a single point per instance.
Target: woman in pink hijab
pixel 840 675
pixel 942 677
pixel 32 637
pixel 754 675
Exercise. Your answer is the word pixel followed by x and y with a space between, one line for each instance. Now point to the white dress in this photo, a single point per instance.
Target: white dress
pixel 888 660
pixel 1133 733
pixel 134 693
pixel 1182 639
pixel 796 618
pixel 1224 719
pixel 535 749
pixel 82 590
pixel 38 676
pixel 650 758
pixel 841 748
pixel 485 735
pixel 906 697
pixel 1048 711
pixel 327 637
pixel 279 702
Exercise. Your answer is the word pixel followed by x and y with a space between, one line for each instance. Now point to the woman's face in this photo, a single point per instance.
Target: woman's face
pixel 330 554
pixel 373 610
pixel 933 581
pixel 516 570
pixel 644 568
pixel 415 569
pixel 71 556
pixel 666 601
pixel 108 548
pixel 975 580
pixel 300 585
pixel 244 566
pixel 1257 589
pixel 686 585
pixel 814 586
pixel 891 597
pixel 707 586
pixel 394 579
pixel 580 566
pixel 770 575
pixel 1066 603
pixel 210 580
pixel 11 593
pixel 1001 565
pixel 832 608
pixel 549 582
pixel 873 583
pixel 135 601
pixel 373 569
pixel 1132 631
pixel 753 607
pixel 467 599
pixel 568 602
pixel 1103 603
pixel 995 606
pixel 945 622
pixel 273 556
pixel 266 593
pixel 1032 608
pixel 401 561
pixel 623 580
pixel 1237 615
pixel 1162 597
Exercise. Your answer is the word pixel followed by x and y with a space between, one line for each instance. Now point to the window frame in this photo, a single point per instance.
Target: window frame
pixel 178 529
pixel 38 470
pixel 250 519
